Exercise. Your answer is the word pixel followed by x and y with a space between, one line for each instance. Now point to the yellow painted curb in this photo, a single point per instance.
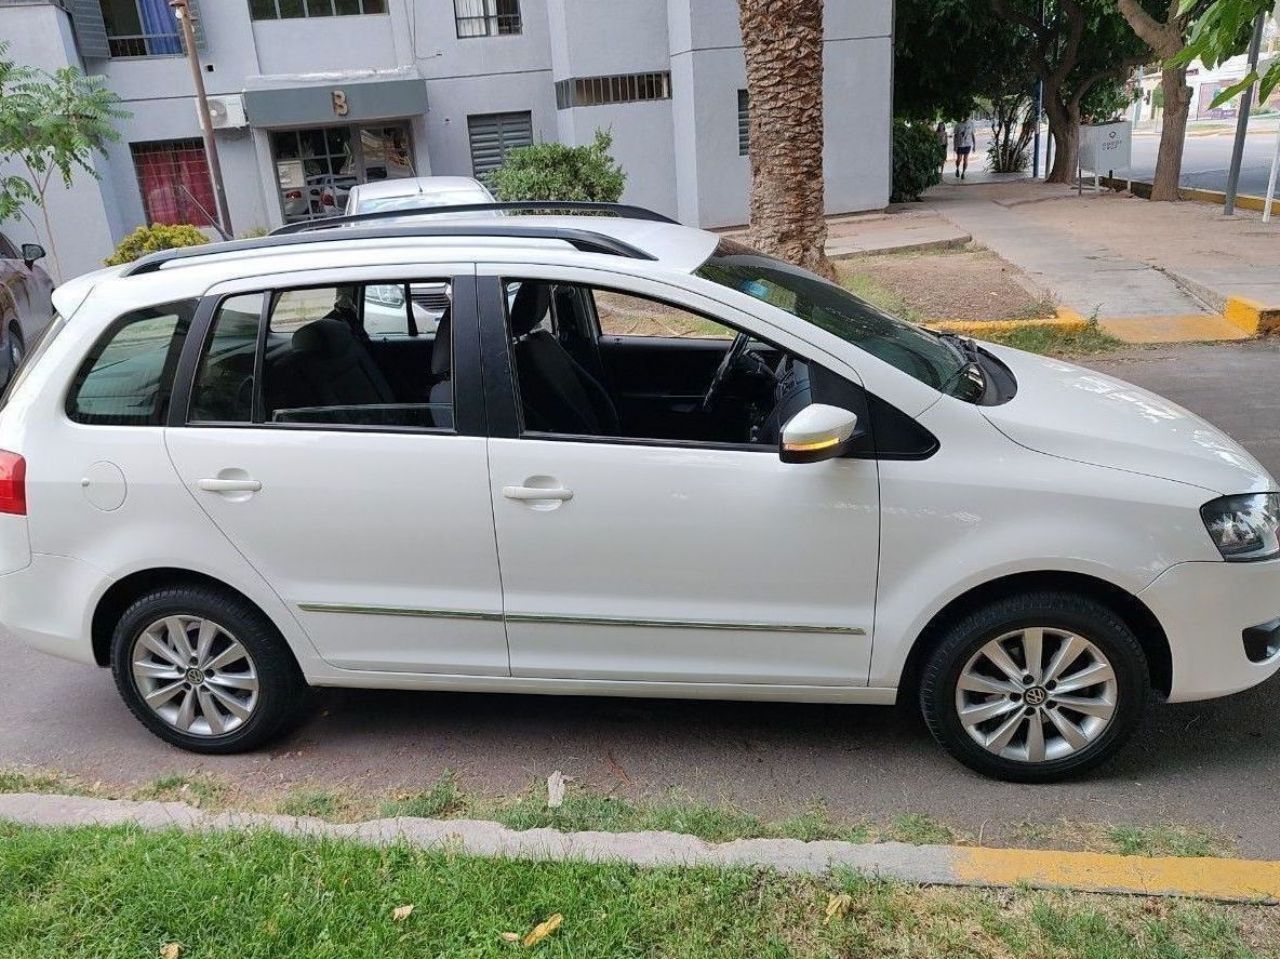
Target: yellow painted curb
pixel 1244 201
pixel 1237 880
pixel 1251 316
pixel 1066 321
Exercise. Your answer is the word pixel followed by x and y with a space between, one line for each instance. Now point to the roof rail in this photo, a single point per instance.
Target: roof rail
pixel 584 240
pixel 571 206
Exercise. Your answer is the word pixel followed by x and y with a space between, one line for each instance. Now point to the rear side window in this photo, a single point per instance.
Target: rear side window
pixel 128 378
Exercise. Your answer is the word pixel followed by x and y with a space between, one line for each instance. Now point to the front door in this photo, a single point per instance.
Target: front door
pixel 664 541
pixel 342 451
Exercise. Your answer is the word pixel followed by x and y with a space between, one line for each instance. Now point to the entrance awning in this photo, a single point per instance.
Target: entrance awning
pixel 335 100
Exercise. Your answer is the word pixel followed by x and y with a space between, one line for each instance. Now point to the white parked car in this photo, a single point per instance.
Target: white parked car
pixel 417 193
pixel 632 459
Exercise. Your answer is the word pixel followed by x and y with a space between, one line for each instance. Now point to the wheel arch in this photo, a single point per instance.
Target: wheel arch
pixel 124 591
pixel 1135 613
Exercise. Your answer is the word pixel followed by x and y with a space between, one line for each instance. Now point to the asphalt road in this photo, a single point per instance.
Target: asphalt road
pixel 1206 159
pixel 1215 765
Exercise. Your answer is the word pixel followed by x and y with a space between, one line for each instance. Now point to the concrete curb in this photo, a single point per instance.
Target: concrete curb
pixel 843 251
pixel 1229 880
pixel 1244 201
pixel 1066 321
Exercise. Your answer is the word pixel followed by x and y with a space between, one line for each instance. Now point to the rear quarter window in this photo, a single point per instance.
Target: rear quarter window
pixel 128 377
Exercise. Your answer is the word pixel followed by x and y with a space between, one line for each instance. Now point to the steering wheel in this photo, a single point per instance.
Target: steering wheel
pixel 731 357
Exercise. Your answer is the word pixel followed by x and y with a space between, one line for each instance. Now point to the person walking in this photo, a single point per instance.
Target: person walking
pixel 965 139
pixel 941 133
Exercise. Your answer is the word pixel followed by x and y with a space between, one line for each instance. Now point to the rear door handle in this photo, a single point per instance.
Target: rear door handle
pixel 527 493
pixel 229 485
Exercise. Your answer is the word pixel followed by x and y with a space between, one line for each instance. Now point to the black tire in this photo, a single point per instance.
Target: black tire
pixel 281 692
pixel 1082 616
pixel 17 348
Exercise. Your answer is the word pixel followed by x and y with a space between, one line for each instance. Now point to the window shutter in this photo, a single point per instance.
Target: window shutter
pixel 744 123
pixel 493 135
pixel 90 29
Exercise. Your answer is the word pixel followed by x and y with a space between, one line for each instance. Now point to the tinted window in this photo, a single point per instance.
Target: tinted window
pixel 360 355
pixel 127 379
pixel 224 384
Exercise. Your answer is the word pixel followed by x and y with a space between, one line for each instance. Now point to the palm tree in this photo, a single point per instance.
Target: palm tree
pixel 782 40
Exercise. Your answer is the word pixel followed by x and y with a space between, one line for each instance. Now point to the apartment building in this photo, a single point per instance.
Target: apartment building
pixel 312 96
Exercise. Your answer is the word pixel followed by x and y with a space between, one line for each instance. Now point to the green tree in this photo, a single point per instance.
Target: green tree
pixel 1083 51
pixel 554 171
pixel 1221 30
pixel 51 125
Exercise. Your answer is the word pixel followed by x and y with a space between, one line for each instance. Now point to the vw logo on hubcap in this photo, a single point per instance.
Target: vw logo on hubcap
pixel 195 676
pixel 1035 696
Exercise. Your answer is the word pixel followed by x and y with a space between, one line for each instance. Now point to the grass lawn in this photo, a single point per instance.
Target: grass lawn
pixel 111 893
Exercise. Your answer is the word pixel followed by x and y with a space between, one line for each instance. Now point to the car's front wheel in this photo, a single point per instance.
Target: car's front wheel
pixel 1035 688
pixel 205 670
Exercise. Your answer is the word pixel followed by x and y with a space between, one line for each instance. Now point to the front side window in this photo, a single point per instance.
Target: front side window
pixel 925 356
pixel 294 9
pixel 486 18
pixel 128 378
pixel 374 355
pixel 600 363
pixel 173 179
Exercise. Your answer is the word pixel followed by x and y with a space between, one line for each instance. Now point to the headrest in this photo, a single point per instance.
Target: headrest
pixel 530 306
pixel 442 349
pixel 326 337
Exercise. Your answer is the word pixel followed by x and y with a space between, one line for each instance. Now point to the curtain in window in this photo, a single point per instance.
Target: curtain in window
pixel 175 184
pixel 160 27
pixel 472 17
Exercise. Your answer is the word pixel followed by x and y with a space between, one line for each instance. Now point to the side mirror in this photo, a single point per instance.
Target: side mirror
pixel 32 252
pixel 818 432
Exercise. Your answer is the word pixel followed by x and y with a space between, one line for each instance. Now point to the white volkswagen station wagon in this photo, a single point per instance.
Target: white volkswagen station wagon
pixel 625 458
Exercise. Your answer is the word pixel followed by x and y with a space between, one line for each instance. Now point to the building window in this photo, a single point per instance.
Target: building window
pixel 494 135
pixel 294 9
pixel 173 177
pixel 622 88
pixel 744 123
pixel 141 28
pixel 486 18
pixel 316 168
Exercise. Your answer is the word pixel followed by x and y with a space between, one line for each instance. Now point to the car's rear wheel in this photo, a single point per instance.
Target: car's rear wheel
pixel 205 670
pixel 1035 688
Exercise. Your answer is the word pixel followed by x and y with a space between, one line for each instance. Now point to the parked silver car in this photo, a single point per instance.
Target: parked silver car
pixel 25 307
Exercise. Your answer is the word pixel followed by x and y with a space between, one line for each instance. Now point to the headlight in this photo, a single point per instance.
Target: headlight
pixel 1244 527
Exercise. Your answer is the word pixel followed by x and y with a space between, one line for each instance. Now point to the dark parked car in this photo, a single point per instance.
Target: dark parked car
pixel 25 308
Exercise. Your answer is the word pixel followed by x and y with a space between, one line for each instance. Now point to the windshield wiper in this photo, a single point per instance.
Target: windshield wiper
pixel 971 367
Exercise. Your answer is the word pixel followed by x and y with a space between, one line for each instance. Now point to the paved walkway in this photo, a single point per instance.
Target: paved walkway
pixel 1085 277
pixel 1234 880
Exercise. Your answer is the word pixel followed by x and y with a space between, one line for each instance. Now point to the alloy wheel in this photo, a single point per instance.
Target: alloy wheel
pixel 1036 694
pixel 194 675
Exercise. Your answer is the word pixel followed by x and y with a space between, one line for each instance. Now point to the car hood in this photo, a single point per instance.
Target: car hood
pixel 1065 410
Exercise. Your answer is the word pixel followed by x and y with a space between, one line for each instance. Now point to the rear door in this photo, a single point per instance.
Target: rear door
pixel 350 469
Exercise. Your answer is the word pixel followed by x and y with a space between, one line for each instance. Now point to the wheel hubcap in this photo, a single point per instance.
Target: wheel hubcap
pixel 195 675
pixel 1036 694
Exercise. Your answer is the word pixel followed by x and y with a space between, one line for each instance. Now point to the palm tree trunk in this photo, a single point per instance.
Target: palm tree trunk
pixel 782 40
pixel 1177 108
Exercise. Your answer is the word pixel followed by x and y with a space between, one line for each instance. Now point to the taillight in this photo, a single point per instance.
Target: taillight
pixel 13 484
pixel 327 199
pixel 293 195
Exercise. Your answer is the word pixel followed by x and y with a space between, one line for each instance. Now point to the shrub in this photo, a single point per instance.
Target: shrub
pixel 917 160
pixel 553 171
pixel 149 239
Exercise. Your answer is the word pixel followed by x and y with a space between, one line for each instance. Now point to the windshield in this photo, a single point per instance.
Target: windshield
pixel 931 359
pixel 450 198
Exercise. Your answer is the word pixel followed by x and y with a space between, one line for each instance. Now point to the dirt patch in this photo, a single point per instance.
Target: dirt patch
pixel 971 283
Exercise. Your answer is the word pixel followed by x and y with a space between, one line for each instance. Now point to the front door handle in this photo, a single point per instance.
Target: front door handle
pixel 530 493
pixel 216 485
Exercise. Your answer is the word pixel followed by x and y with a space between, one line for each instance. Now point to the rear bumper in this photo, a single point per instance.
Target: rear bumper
pixel 47 605
pixel 1206 609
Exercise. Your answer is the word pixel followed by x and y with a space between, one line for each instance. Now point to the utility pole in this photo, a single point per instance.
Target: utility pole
pixel 183 14
pixel 1242 122
pixel 1035 144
